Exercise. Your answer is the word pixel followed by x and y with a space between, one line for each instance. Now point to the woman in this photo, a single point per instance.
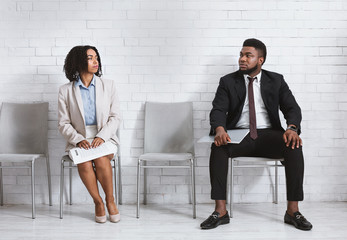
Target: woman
pixel 89 115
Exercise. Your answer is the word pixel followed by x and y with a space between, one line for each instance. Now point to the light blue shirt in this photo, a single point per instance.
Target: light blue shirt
pixel 88 99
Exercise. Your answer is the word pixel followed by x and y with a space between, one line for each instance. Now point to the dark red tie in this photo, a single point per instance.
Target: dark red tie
pixel 252 118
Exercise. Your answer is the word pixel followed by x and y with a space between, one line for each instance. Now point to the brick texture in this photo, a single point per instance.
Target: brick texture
pixel 176 50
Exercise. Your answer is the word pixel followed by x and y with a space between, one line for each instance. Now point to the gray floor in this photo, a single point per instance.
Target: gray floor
pixel 251 221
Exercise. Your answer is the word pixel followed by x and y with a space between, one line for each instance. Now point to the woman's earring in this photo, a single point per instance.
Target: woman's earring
pixel 76 74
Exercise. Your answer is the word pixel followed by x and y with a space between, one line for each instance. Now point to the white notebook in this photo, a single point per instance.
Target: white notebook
pixel 236 136
pixel 80 155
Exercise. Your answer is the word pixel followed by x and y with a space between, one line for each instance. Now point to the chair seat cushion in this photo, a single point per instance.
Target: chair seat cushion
pixel 166 156
pixel 66 158
pixel 7 157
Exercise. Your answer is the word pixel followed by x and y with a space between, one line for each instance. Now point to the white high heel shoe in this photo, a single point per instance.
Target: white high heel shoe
pixel 101 219
pixel 115 218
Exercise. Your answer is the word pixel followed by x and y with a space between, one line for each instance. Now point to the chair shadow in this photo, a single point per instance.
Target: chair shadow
pixel 76 212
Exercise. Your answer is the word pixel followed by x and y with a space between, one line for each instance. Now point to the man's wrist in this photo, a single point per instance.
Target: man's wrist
pixel 292 128
pixel 220 128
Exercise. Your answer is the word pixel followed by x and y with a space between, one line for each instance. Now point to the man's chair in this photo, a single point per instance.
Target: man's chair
pixel 23 139
pixel 66 162
pixel 168 137
pixel 252 162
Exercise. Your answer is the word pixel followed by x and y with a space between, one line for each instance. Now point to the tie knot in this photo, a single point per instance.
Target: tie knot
pixel 251 79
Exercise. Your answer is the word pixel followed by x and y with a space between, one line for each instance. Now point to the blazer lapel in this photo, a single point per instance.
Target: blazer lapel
pixel 79 101
pixel 98 101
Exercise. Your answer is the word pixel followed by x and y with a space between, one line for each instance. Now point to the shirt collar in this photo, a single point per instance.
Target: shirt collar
pixel 258 77
pixel 80 83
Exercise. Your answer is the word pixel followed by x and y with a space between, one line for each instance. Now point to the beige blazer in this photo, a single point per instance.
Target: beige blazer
pixel 71 121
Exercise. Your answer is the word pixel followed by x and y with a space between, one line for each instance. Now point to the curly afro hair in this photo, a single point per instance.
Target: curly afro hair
pixel 76 62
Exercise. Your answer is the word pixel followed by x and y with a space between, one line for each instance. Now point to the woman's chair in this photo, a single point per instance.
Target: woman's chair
pixel 23 139
pixel 66 162
pixel 168 137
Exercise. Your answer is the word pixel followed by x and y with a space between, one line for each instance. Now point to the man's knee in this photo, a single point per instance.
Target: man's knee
pixel 293 155
pixel 220 151
pixel 293 151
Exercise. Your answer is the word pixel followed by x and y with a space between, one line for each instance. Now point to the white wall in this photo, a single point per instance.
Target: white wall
pixel 176 50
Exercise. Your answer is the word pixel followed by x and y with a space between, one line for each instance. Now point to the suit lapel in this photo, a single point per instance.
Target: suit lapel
pixel 265 88
pixel 240 87
pixel 77 93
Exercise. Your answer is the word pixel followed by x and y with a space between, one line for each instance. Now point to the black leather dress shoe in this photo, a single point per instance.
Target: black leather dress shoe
pixel 299 221
pixel 214 220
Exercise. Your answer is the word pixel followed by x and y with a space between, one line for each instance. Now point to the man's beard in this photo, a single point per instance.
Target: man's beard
pixel 248 71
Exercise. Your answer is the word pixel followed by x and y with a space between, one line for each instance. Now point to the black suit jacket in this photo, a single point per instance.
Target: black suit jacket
pixel 231 94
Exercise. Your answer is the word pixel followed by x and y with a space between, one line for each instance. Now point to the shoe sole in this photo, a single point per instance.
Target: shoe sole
pixel 296 226
pixel 224 221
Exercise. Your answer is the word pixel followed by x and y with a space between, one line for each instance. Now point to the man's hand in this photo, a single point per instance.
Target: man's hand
pixel 97 142
pixel 290 137
pixel 84 144
pixel 221 137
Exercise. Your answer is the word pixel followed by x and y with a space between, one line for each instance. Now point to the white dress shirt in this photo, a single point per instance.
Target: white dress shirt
pixel 261 114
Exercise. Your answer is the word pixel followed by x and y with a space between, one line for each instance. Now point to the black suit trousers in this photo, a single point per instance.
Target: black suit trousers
pixel 269 144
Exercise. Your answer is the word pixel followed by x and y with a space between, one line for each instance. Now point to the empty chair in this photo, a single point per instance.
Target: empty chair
pixel 168 137
pixel 23 139
pixel 252 162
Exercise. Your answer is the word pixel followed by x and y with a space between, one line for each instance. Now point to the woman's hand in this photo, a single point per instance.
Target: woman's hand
pixel 84 144
pixel 97 142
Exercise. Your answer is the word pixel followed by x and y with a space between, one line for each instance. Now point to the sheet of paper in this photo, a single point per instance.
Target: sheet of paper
pixel 80 155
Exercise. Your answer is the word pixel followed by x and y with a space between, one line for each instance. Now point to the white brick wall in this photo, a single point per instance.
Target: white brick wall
pixel 176 50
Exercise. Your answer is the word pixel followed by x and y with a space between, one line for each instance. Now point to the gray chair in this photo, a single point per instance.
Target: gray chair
pixel 252 162
pixel 66 162
pixel 169 138
pixel 23 139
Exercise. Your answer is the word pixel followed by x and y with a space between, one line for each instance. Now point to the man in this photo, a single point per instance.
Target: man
pixel 250 98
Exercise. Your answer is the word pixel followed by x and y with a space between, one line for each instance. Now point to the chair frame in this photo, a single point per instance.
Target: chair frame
pixel 117 178
pixel 145 167
pixel 252 159
pixel 153 107
pixel 32 171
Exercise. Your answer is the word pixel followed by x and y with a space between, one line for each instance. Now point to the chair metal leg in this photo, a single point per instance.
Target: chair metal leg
pixel 61 188
pixel 70 182
pixel 192 167
pixel 115 181
pixel 138 188
pixel 33 189
pixel 1 188
pixel 120 192
pixel 231 186
pixel 227 200
pixel 49 180
pixel 276 182
pixel 145 184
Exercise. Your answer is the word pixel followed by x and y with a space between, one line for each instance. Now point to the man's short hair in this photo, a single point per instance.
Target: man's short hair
pixel 258 45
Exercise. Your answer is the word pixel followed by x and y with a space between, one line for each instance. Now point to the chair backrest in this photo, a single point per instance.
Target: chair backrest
pixel 169 128
pixel 24 128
